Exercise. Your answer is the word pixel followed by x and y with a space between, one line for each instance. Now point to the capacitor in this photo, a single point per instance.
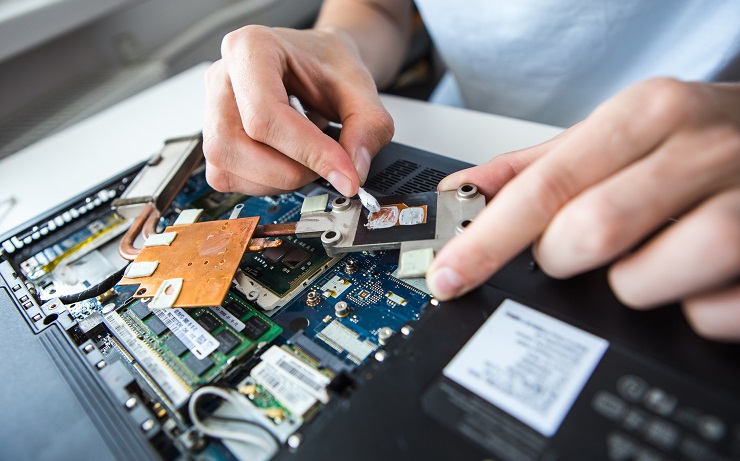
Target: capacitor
pixel 341 309
pixel 350 266
pixel 384 334
pixel 313 298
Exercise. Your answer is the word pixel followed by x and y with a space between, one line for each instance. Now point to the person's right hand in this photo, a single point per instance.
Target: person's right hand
pixel 255 143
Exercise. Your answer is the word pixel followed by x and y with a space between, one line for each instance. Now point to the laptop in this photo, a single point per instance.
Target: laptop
pixel 318 357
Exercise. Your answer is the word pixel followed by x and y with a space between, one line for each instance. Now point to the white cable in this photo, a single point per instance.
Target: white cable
pixel 266 442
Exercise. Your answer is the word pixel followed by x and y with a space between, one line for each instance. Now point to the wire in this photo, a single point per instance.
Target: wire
pixel 95 290
pixel 265 440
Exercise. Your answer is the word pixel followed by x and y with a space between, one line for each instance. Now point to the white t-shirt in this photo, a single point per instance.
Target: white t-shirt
pixel 554 61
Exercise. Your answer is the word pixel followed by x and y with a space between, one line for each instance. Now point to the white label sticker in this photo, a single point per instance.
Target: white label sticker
pixel 311 379
pixel 284 389
pixel 226 316
pixel 152 363
pixel 528 364
pixel 187 330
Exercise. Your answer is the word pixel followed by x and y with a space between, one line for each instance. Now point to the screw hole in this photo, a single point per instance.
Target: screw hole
pixel 467 188
pixel 141 291
pixel 330 234
pixel 50 319
pixel 465 223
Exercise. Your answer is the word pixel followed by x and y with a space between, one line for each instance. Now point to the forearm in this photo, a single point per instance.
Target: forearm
pixel 378 28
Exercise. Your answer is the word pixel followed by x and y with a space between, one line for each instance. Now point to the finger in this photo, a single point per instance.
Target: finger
pixel 256 68
pixel 715 315
pixel 366 127
pixel 225 181
pixel 698 253
pixel 619 212
pixel 227 147
pixel 611 139
pixel 494 174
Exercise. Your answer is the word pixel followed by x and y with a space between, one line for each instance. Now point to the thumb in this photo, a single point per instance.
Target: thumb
pixel 491 176
pixel 494 174
pixel 366 128
pixel 471 258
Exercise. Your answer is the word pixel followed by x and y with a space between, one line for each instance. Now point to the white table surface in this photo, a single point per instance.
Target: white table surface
pixel 76 159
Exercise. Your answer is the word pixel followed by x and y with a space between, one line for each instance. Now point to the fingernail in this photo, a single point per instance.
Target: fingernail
pixel 444 283
pixel 341 183
pixel 447 183
pixel 362 163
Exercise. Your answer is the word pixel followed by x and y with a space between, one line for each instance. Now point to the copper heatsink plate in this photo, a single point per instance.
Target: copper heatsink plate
pixel 205 255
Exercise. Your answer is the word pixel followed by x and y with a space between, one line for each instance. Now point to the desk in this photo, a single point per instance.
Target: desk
pixel 76 159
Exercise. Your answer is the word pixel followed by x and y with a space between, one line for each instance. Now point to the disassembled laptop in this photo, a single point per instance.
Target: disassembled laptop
pixel 268 305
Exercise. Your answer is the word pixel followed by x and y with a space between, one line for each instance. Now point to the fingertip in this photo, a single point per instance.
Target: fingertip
pixel 445 283
pixel 452 181
pixel 362 161
pixel 343 184
pixel 630 287
pixel 715 315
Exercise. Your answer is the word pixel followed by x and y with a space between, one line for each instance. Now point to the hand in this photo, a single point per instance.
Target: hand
pixel 661 156
pixel 255 143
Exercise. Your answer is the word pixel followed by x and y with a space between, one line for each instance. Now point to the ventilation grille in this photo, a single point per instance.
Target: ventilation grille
pixel 404 177
pixel 391 176
pixel 425 181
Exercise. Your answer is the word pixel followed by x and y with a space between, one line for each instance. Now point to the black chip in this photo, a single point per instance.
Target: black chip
pixel 157 326
pixel 275 254
pixel 197 366
pixel 235 309
pixel 255 327
pixel 208 322
pixel 140 310
pixel 228 341
pixel 296 258
pixel 176 346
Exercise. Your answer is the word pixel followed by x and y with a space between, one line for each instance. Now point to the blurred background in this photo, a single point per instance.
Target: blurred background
pixel 64 60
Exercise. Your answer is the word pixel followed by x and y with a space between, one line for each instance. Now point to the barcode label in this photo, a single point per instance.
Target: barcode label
pixel 159 371
pixel 226 316
pixel 312 380
pixel 283 388
pixel 187 330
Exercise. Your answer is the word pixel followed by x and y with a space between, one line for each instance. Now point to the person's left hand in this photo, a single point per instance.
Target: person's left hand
pixel 661 150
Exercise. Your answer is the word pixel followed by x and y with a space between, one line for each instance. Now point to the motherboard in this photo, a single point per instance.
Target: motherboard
pixel 230 381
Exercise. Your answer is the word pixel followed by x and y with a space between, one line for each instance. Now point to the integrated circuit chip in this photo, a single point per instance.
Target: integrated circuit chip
pixel 176 346
pixel 157 326
pixel 228 341
pixel 141 310
pixel 235 309
pixel 255 327
pixel 273 277
pixel 275 254
pixel 208 322
pixel 296 258
pixel 197 366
